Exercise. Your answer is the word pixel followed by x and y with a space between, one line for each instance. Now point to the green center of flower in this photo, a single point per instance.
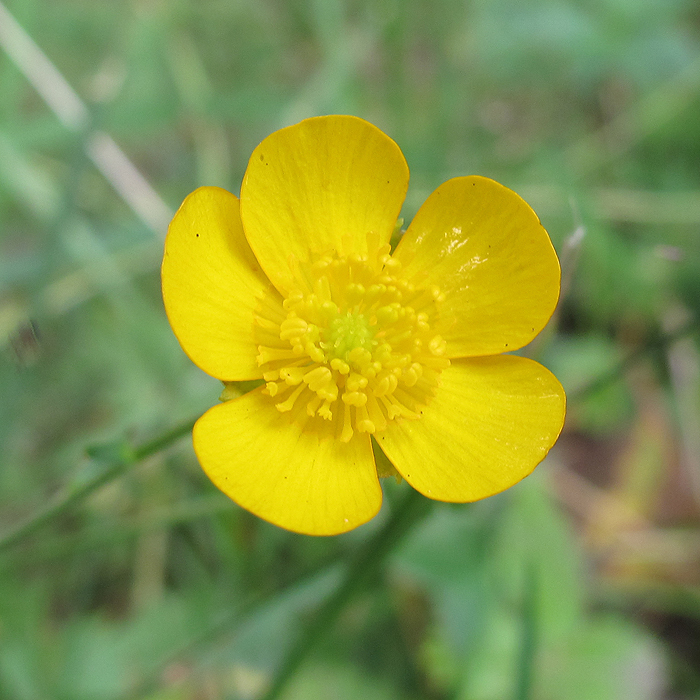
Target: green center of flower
pixel 355 345
pixel 349 332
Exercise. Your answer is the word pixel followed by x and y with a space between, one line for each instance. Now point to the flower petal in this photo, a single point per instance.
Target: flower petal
pixel 298 480
pixel 492 420
pixel 319 186
pixel 212 284
pixel 487 251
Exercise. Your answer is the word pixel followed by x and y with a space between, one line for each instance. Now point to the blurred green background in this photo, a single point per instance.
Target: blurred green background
pixel 581 583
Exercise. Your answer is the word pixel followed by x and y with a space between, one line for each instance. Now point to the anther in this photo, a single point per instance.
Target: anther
pixel 340 365
pixel 437 346
pixel 355 381
pixel 353 344
pixel 355 398
pixel 292 375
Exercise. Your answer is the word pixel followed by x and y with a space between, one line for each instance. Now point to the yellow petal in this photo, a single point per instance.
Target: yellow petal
pixel 491 422
pixel 487 251
pixel 212 284
pixel 264 461
pixel 320 186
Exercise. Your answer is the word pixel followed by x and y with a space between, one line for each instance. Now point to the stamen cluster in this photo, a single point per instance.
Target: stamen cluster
pixel 355 344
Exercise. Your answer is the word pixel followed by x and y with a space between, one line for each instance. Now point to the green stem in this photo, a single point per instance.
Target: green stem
pixel 361 568
pixel 529 637
pixel 620 369
pixel 114 467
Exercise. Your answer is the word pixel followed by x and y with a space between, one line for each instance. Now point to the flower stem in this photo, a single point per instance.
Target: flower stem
pixel 116 460
pixel 361 568
pixel 655 344
pixel 529 637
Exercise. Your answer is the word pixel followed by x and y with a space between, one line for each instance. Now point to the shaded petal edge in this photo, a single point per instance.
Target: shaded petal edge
pixel 486 249
pixel 491 422
pixel 297 480
pixel 327 184
pixel 212 284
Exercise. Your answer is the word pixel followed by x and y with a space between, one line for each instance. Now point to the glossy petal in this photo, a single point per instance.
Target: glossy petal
pixel 319 186
pixel 292 478
pixel 491 422
pixel 487 251
pixel 212 283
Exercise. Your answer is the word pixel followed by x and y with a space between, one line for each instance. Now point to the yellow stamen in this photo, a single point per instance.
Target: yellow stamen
pixel 357 345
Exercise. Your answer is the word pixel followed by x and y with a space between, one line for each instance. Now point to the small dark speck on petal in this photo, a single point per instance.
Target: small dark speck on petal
pixel 196 234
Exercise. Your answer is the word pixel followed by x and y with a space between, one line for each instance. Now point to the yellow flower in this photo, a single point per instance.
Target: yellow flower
pixel 295 285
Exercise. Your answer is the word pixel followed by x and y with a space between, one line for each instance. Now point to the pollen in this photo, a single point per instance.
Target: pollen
pixel 355 347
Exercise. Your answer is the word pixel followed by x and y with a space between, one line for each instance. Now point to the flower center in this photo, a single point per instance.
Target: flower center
pixel 347 332
pixel 355 344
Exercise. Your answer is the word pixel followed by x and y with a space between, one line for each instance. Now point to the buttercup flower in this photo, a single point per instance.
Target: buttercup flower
pixel 295 285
